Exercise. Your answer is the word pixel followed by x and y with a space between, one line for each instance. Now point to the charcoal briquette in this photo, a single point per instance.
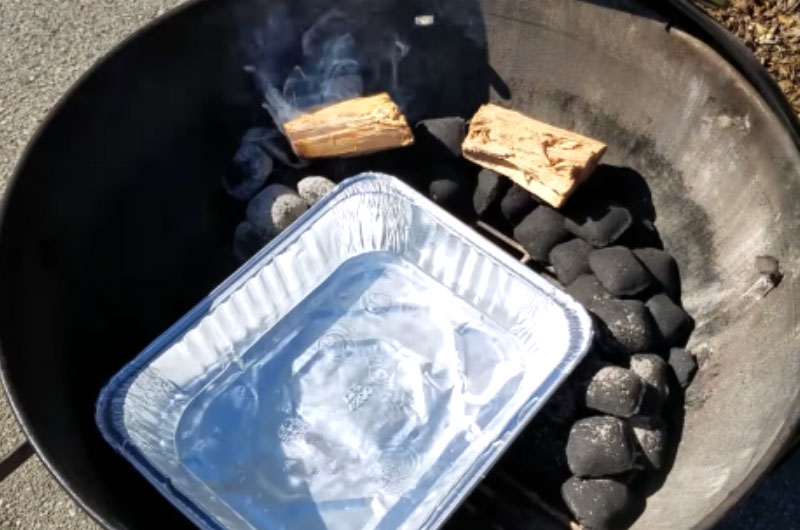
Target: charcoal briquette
pixel 654 371
pixel 449 194
pixel 598 504
pixel 540 231
pixel 684 365
pixel 313 188
pixel 673 322
pixel 517 203
pixel 609 348
pixel 570 260
pixel 274 208
pixel 619 271
pixel 621 185
pixel 491 186
pixel 642 234
pixel 663 267
pixel 615 390
pixel 444 191
pixel 441 136
pixel 599 446
pixel 249 171
pixel 587 290
pixel 247 240
pixel 626 324
pixel 650 433
pixel 596 222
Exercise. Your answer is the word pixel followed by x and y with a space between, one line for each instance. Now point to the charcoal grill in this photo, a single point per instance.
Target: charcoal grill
pixel 119 194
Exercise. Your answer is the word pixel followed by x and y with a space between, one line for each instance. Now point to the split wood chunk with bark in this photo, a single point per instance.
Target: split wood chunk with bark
pixel 349 128
pixel 547 161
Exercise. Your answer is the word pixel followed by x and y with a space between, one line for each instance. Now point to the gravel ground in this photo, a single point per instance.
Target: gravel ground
pixel 47 44
pixel 771 29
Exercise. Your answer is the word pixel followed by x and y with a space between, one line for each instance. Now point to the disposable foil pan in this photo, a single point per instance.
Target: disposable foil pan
pixel 362 371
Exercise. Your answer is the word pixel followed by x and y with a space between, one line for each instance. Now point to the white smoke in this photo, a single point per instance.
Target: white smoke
pixel 332 66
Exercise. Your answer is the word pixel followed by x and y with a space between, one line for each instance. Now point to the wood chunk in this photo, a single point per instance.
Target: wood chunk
pixel 349 128
pixel 547 161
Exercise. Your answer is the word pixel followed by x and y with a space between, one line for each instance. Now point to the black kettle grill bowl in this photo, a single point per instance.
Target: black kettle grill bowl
pixel 115 223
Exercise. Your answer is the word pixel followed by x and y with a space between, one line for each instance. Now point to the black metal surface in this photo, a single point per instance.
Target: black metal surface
pixel 115 223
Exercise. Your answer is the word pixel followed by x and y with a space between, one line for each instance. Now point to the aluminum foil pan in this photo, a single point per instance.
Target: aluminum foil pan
pixel 362 371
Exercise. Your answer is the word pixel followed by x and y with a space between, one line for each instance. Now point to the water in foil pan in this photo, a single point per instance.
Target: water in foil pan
pixel 363 371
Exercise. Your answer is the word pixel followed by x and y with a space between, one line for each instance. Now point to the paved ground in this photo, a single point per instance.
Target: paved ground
pixel 46 45
pixel 775 504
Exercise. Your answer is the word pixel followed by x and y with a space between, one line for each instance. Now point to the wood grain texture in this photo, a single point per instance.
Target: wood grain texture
pixel 547 161
pixel 353 127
